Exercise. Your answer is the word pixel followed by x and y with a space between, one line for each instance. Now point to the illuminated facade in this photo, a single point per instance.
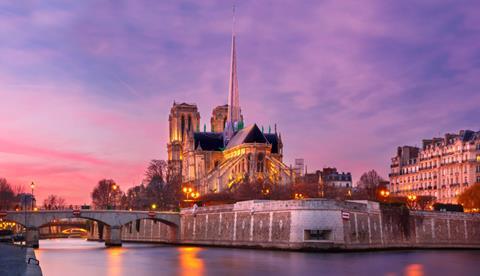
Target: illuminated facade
pixel 228 155
pixel 443 167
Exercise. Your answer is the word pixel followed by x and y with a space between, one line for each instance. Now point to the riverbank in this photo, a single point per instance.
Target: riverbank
pixel 307 225
pixel 14 261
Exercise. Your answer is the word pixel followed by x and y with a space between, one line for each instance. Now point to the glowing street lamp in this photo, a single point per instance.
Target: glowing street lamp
pixel 154 206
pixel 187 191
pixel 299 196
pixel 32 185
pixel 411 200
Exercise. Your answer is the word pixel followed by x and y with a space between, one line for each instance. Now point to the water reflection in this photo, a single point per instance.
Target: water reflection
pixel 115 260
pixel 75 257
pixel 414 270
pixel 190 263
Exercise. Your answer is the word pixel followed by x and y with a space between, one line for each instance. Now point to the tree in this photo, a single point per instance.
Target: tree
pixel 54 202
pixel 7 195
pixel 106 194
pixel 135 198
pixel 369 184
pixel 470 198
pixel 157 171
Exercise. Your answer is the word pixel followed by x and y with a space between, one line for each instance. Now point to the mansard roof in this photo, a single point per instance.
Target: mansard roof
pixel 251 134
pixel 209 141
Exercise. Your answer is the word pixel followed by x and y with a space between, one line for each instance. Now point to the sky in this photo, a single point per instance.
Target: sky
pixel 86 86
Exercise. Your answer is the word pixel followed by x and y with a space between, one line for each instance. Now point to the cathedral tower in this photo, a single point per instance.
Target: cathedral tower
pixel 184 119
pixel 219 118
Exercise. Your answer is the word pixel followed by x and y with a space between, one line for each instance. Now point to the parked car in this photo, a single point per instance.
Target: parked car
pixel 6 236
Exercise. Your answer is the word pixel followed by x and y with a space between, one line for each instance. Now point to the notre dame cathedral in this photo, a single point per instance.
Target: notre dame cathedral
pixel 230 153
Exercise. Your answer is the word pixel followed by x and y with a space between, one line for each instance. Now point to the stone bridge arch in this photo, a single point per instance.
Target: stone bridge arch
pixel 113 219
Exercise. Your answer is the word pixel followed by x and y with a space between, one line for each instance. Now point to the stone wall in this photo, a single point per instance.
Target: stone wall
pixel 311 225
pixel 327 224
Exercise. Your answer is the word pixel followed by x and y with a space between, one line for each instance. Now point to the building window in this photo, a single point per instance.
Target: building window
pixel 318 235
pixel 260 161
pixel 182 127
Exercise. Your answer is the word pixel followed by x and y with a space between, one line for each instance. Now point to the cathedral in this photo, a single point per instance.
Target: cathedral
pixel 231 153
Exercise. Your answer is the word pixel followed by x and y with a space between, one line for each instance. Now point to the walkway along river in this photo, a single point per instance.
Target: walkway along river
pixel 78 257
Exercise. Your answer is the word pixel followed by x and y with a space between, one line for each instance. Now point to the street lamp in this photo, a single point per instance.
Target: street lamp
pixel 154 206
pixel 32 185
pixel 299 196
pixel 114 187
pixel 187 191
pixel 384 195
pixel 412 199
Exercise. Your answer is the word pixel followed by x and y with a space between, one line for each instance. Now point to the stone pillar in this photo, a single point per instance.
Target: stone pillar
pixel 31 237
pixel 113 236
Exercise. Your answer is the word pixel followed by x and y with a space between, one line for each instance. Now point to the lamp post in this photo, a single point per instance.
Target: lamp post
pixel 114 188
pixel 411 200
pixel 187 191
pixel 384 195
pixel 32 185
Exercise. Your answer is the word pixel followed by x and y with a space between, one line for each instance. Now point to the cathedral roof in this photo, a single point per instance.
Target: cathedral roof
pixel 251 134
pixel 209 141
pixel 273 140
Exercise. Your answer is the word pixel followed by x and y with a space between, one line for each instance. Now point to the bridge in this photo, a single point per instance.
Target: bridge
pixel 113 220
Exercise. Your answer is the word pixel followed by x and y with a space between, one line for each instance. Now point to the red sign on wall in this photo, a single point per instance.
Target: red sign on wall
pixel 345 215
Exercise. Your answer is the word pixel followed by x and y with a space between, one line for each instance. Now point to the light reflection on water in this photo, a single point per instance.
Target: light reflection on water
pixel 190 263
pixel 79 257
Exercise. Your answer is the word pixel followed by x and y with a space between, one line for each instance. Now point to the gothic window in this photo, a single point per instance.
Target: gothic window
pixel 260 162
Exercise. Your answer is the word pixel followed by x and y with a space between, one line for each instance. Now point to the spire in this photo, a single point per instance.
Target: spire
pixel 234 113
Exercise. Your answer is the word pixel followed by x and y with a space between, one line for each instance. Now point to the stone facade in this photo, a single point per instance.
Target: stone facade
pixel 443 167
pixel 317 224
pixel 327 225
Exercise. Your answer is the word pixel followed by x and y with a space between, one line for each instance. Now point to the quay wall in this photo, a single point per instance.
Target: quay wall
pixel 315 224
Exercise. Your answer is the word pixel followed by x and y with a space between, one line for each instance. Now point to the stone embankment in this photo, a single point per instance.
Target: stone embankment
pixel 315 224
pixel 18 261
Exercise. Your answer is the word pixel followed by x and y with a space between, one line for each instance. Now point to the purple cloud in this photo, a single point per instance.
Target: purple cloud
pixel 346 81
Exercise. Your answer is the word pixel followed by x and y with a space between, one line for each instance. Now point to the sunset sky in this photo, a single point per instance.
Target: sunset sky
pixel 86 86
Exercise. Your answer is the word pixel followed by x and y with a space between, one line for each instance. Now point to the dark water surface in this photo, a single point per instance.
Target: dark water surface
pixel 78 257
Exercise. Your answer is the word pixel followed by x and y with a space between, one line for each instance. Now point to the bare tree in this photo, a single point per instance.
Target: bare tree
pixel 7 195
pixel 157 171
pixel 106 194
pixel 54 202
pixel 135 198
pixel 369 183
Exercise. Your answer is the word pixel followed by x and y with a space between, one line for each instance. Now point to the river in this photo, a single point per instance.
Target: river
pixel 72 257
